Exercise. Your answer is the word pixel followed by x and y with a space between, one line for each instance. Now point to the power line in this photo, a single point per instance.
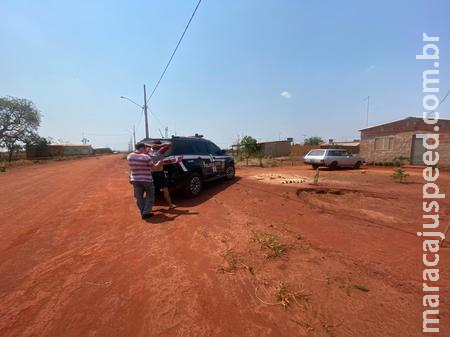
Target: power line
pixel 157 119
pixel 175 50
pixel 140 119
pixel 442 101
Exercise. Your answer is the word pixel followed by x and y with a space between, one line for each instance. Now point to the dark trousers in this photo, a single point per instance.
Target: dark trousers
pixel 144 193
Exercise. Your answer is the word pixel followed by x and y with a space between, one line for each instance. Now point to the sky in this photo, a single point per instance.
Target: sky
pixel 270 69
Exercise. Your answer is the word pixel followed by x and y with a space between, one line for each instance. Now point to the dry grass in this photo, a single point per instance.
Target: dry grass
pixel 285 296
pixel 4 165
pixel 230 261
pixel 271 244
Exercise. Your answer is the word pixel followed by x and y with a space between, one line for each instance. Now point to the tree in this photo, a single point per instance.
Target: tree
pixel 313 141
pixel 250 146
pixel 19 121
pixel 40 143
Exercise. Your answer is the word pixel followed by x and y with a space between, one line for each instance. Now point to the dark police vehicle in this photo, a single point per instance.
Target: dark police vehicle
pixel 191 161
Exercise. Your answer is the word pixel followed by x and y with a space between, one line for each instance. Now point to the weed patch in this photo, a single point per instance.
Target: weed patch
pixel 285 296
pixel 271 244
pixel 230 261
pixel 400 175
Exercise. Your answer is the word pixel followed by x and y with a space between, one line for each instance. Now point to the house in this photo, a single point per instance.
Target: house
pixel 382 143
pixel 103 150
pixel 57 150
pixel 280 148
pixel 351 146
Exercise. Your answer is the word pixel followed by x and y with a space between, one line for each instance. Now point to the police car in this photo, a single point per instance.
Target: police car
pixel 192 161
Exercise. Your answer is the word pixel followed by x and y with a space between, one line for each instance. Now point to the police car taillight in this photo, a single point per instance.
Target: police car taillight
pixel 173 160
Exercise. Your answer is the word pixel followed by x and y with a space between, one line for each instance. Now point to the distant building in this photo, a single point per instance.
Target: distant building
pixel 280 148
pixel 352 146
pixel 103 150
pixel 382 143
pixel 57 150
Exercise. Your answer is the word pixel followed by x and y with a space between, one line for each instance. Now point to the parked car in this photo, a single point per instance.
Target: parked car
pixel 192 161
pixel 333 158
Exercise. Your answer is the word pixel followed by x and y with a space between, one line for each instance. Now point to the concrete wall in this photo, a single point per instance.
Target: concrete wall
pixel 302 150
pixel 444 150
pixel 355 149
pixel 78 150
pixel 58 151
pixel 402 147
pixel 276 149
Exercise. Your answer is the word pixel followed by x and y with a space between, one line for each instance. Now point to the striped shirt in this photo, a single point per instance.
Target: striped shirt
pixel 140 165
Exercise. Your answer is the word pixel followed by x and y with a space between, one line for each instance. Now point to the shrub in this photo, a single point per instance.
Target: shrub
pixel 400 175
pixel 400 161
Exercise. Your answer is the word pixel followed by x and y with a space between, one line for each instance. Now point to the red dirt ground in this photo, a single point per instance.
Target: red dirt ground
pixel 77 260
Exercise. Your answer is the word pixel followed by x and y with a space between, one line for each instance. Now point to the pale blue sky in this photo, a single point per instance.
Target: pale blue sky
pixel 74 59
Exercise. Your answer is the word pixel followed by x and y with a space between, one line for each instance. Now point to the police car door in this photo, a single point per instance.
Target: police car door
pixel 206 160
pixel 217 158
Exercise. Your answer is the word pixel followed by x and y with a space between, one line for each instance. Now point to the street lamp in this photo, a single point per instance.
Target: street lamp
pixel 129 99
pixel 144 107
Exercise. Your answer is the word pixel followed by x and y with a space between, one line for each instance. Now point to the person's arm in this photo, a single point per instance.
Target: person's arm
pixel 164 149
pixel 152 164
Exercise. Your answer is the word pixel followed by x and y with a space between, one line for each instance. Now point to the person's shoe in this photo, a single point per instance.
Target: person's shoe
pixel 172 206
pixel 147 216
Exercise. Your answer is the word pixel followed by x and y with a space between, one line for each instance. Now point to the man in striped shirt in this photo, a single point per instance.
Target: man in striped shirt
pixel 141 177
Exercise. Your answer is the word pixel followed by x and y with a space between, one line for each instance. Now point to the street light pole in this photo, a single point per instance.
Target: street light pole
pixel 145 113
pixel 144 107
pixel 134 134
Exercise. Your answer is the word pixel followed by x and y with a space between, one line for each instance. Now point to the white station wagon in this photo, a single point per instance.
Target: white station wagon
pixel 333 158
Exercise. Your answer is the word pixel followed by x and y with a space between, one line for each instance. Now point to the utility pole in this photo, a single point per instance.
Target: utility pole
pixel 145 113
pixel 134 134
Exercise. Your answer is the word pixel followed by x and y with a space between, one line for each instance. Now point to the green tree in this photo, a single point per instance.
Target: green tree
pixel 19 121
pixel 250 146
pixel 313 141
pixel 40 143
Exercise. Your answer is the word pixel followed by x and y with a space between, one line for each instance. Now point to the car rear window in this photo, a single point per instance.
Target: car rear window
pixel 189 147
pixel 316 153
pixel 182 148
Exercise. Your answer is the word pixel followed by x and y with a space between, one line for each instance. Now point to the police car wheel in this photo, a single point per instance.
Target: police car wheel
pixel 194 185
pixel 230 172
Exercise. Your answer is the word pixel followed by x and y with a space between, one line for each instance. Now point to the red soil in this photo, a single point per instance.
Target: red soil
pixel 77 260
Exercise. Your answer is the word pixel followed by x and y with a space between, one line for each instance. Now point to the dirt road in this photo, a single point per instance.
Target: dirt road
pixel 77 260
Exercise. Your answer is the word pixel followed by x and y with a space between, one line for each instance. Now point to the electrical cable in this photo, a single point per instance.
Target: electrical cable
pixel 441 101
pixel 174 51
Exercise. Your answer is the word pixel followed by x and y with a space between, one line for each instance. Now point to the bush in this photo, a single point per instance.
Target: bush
pixel 400 175
pixel 400 161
